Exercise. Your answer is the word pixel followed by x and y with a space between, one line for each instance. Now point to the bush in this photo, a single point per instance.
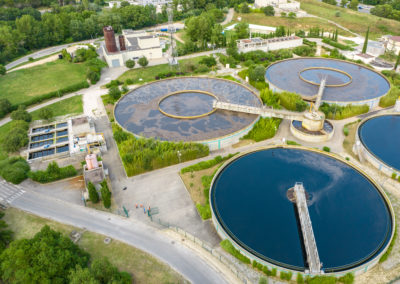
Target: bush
pixel 268 11
pixel 53 173
pixel 201 68
pixel 390 98
pixel 105 194
pixel 204 211
pixel 263 129
pixel 130 63
pixel 292 101
pixel 289 142
pixel 394 175
pixel 17 138
pixel 263 280
pixel 346 131
pixel 326 149
pixel 270 98
pixel 209 61
pixel 299 278
pixel 14 169
pixel 273 272
pixel 2 70
pixel 45 113
pixel 304 50
pixel 348 278
pixel 143 61
pixel 334 111
pixel 336 44
pixel 114 93
pixel 115 83
pixel 257 73
pixel 5 107
pixel 140 155
pixel 227 246
pixel 21 114
pixel 92 76
pixel 93 194
pixel 286 275
pixel 207 164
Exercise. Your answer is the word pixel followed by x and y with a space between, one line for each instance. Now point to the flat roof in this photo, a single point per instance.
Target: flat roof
pixel 251 26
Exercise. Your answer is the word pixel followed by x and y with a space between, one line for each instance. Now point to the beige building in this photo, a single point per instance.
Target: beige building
pixel 131 45
pixel 392 43
pixel 255 29
pixel 250 44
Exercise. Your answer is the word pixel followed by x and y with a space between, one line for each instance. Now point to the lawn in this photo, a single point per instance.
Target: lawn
pixel 293 24
pixel 73 105
pixel 144 267
pixel 148 74
pixel 21 85
pixel 355 21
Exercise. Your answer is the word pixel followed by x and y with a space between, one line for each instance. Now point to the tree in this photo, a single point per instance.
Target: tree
pixel 257 73
pixel 82 275
pixel 105 194
pixel 353 5
pixel 2 70
pixel 130 63
pixel 93 195
pixel 397 61
pixel 21 114
pixel 244 8
pixel 46 113
pixel 365 46
pixel 5 107
pixel 5 233
pixel 93 76
pixel 114 93
pixel 14 169
pixel 269 11
pixel 16 139
pixel 48 257
pixel 343 3
pixel 209 61
pixel 242 30
pixel 292 15
pixel 143 61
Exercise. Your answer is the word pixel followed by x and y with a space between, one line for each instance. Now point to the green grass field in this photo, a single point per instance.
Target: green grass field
pixel 355 21
pixel 73 105
pixel 147 74
pixel 144 267
pixel 21 85
pixel 293 24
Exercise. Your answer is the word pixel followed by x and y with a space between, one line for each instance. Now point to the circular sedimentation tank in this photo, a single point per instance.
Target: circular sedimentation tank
pixel 252 206
pixel 346 83
pixel 380 137
pixel 181 109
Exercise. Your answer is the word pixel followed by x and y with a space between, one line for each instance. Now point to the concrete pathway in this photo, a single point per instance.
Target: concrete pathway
pixel 228 17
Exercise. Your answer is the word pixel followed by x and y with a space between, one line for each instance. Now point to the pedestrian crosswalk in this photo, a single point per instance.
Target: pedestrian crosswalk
pixel 9 192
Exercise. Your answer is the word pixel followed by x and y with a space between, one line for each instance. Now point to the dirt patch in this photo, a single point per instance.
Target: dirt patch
pixel 242 143
pixel 76 183
pixel 194 185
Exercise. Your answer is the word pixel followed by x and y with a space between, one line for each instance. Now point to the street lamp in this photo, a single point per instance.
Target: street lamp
pixel 179 155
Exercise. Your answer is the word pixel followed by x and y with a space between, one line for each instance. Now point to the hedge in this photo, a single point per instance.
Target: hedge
pixel 207 164
pixel 334 111
pixel 337 44
pixel 227 246
pixel 264 128
pixel 53 173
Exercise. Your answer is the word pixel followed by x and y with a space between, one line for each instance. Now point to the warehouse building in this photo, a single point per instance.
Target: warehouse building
pixel 257 43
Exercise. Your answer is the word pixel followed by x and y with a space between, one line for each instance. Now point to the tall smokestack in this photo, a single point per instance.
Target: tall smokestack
pixel 121 39
pixel 109 38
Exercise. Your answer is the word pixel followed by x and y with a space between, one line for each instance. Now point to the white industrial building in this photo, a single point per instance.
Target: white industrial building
pixel 156 3
pixel 257 43
pixel 392 43
pixel 255 29
pixel 286 5
pixel 131 45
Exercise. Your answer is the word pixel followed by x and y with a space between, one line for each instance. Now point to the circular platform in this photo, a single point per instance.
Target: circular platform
pixel 346 82
pixel 380 136
pixel 167 110
pixel 351 217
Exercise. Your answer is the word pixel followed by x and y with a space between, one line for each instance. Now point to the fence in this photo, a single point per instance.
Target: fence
pixel 208 248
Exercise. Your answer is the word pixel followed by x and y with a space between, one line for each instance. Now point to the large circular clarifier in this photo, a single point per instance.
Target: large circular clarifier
pixel 381 137
pixel 167 110
pixel 350 218
pixel 347 82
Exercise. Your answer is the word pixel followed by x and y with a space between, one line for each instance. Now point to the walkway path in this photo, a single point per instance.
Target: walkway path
pixel 134 233
pixel 228 17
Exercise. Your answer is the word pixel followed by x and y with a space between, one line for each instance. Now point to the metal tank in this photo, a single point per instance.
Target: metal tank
pixel 109 38
pixel 121 39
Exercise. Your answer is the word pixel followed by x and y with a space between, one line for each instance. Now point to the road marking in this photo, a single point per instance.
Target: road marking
pixel 9 192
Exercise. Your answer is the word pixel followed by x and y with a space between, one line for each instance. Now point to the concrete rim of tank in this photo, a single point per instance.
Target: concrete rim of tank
pixel 363 267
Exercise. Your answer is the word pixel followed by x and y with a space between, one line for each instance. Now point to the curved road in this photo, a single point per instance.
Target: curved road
pixel 137 234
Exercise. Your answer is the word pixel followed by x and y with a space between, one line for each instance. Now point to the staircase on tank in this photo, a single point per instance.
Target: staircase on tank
pixel 314 263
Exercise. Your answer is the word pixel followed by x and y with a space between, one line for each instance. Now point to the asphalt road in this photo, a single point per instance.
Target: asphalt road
pixel 182 259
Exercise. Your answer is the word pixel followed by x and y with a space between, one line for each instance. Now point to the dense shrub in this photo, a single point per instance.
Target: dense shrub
pixel 326 149
pixel 53 173
pixel 334 111
pixel 336 44
pixel 140 155
pixel 304 50
pixel 143 61
pixel 204 211
pixel 105 194
pixel 17 138
pixel 292 101
pixel 114 93
pixel 286 275
pixel 114 83
pixel 45 113
pixel 321 280
pixel 270 98
pixel 227 246
pixel 130 63
pixel 256 73
pixel 290 142
pixel 3 70
pixel 347 278
pixel 5 107
pixel 14 169
pixel 394 175
pixel 209 61
pixel 264 128
pixel 390 98
pixel 93 194
pixel 299 279
pixel 169 74
pixel 207 164
pixel 21 114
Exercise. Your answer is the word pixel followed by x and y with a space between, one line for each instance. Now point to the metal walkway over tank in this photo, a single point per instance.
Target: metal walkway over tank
pixel 314 263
